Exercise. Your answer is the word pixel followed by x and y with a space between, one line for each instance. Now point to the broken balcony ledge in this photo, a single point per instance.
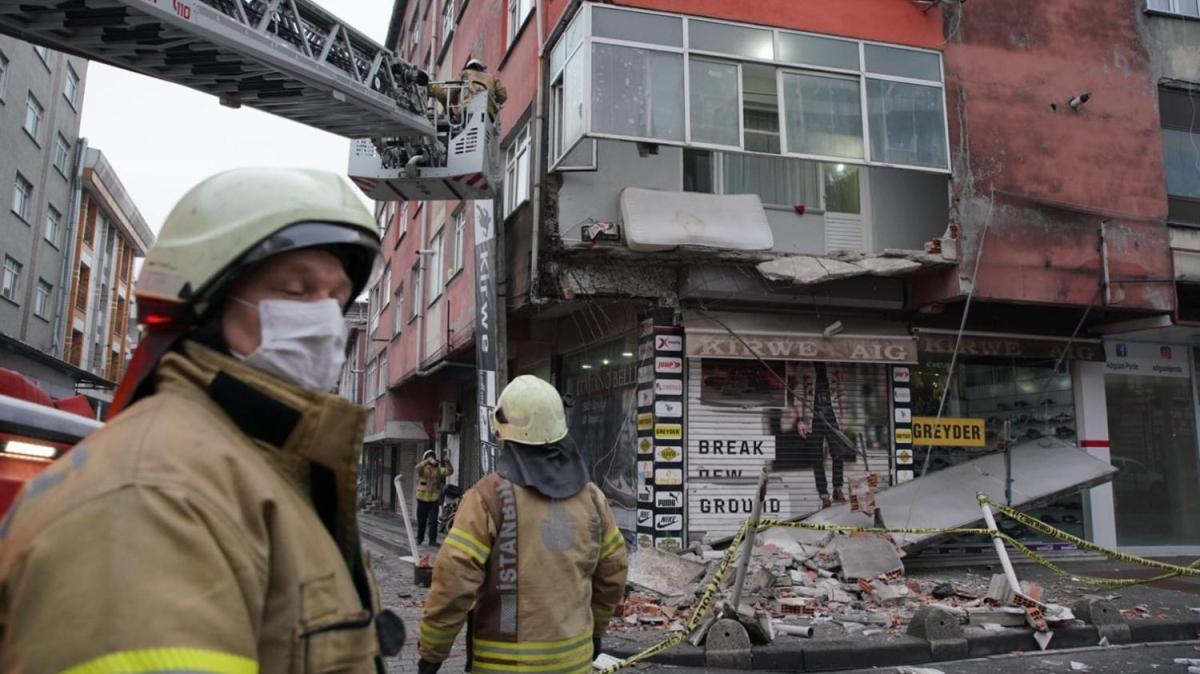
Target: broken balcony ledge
pixel 774 266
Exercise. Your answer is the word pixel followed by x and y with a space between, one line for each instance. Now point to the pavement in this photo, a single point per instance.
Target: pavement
pixel 1167 609
pixel 1156 658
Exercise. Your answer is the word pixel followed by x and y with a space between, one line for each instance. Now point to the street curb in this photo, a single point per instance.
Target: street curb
pixel 795 655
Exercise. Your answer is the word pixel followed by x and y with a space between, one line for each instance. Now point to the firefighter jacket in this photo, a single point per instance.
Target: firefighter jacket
pixel 431 476
pixel 190 534
pixel 474 82
pixel 543 576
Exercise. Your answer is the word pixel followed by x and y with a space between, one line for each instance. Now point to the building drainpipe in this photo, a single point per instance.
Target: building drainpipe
pixel 541 166
pixel 64 280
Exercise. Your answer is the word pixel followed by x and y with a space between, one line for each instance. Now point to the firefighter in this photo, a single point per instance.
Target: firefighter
pixel 475 79
pixel 210 525
pixel 431 476
pixel 534 554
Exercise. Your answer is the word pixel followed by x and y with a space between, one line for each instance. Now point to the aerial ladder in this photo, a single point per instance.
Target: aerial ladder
pixel 293 59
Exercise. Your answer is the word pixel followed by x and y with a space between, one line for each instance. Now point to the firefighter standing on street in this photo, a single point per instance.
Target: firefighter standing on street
pixel 431 476
pixel 534 555
pixel 475 79
pixel 211 525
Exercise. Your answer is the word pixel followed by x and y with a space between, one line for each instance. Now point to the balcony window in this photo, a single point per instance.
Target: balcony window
pixel 822 115
pixel 637 92
pixel 1181 7
pixel 745 88
pixel 1180 117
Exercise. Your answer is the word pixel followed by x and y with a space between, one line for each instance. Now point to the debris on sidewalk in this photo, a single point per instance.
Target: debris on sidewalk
pixel 663 573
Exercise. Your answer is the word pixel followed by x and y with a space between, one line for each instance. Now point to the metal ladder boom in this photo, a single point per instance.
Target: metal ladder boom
pixel 291 58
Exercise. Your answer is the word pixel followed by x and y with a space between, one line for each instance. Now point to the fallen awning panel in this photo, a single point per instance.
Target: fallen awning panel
pixel 657 220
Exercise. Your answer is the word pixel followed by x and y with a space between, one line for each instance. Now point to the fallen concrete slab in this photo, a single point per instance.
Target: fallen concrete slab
pixel 663 573
pixel 1042 470
pixel 867 556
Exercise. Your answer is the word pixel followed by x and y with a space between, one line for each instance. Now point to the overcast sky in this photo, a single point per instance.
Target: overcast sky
pixel 162 139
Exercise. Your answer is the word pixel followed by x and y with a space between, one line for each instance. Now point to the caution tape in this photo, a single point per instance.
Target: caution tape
pixel 1170 570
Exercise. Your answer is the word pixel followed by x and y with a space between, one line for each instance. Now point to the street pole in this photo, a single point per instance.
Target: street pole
pixel 412 541
pixel 998 542
pixel 748 541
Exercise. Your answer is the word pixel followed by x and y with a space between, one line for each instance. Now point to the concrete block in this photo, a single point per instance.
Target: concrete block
pixel 999 590
pixel 942 630
pixel 727 646
pixel 663 573
pixel 1095 610
pixel 867 557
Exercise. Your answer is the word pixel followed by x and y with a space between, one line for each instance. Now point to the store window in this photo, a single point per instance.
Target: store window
pixel 1034 400
pixel 599 386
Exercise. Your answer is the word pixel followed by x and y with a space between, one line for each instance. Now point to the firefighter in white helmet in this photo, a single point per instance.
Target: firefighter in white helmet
pixel 475 79
pixel 210 525
pixel 535 555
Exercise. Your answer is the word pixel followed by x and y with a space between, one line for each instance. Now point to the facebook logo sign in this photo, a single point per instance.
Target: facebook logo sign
pixel 1122 351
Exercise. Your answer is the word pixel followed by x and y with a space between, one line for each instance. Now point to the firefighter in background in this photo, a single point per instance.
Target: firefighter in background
pixel 210 525
pixel 475 79
pixel 534 556
pixel 431 477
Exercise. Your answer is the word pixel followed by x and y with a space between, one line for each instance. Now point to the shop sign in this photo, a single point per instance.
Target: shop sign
pixel 645 398
pixel 902 394
pixel 645 374
pixel 646 468
pixel 644 517
pixel 903 415
pixel 668 499
pixel 1155 360
pixel 948 432
pixel 901 375
pixel 668 365
pixel 669 543
pixel 669 522
pixel 734 447
pixel 645 541
pixel 646 350
pixel 645 446
pixel 1008 347
pixel 668 342
pixel 668 387
pixel 668 408
pixel 669 477
pixel 645 421
pixel 904 436
pixel 669 454
pixel 668 432
pixel 904 456
pixel 645 493
pixel 804 347
pixel 736 505
pixel 904 476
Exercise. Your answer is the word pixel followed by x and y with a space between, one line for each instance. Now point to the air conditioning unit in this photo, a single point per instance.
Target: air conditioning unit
pixel 448 419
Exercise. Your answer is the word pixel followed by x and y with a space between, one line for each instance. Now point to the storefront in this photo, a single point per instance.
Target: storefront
pixel 1150 400
pixel 599 387
pixel 808 397
pixel 1006 390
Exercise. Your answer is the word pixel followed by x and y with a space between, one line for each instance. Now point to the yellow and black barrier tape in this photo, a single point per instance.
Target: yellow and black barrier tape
pixel 701 609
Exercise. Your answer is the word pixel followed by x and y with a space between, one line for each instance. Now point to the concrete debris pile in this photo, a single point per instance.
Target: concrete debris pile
pixel 802 583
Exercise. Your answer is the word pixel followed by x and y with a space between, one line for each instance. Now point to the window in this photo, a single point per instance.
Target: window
pixel 1180 115
pixel 33 116
pixel 714 101
pixel 62 154
pixel 779 181
pixel 22 197
pixel 415 36
pixel 436 268
pixel 448 20
pixel 1182 7
pixel 12 278
pixel 71 86
pixel 416 283
pixel 822 115
pixel 85 287
pixel 518 11
pixel 53 224
pixel 385 379
pixel 403 221
pixel 460 242
pixel 637 92
pixel 516 173
pixel 748 88
pixel 398 310
pixel 3 74
pixel 372 381
pixel 43 54
pixel 41 303
pixel 375 307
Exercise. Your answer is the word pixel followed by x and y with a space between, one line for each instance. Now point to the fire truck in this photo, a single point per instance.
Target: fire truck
pixel 291 58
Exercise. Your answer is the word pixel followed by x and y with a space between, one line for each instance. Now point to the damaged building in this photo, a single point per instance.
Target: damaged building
pixel 739 235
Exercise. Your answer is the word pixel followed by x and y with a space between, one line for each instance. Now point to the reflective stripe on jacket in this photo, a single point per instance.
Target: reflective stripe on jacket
pixel 210 527
pixel 543 576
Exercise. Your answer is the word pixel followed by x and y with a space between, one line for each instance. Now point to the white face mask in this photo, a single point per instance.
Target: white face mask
pixel 303 342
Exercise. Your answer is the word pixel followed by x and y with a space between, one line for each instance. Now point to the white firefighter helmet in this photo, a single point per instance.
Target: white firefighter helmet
pixel 235 219
pixel 475 64
pixel 530 411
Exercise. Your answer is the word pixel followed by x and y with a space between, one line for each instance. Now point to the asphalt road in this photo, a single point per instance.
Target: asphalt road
pixel 1134 659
